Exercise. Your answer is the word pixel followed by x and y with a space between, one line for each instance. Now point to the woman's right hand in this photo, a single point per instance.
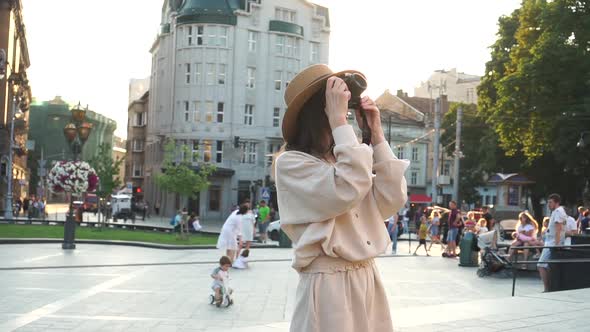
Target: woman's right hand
pixel 337 97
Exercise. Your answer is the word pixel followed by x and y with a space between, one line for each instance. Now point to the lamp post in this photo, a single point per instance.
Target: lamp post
pixel 76 134
pixel 17 82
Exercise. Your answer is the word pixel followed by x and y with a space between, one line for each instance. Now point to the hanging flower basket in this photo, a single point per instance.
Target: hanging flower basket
pixel 75 177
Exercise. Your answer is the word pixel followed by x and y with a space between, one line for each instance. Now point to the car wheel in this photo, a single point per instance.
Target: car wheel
pixel 274 235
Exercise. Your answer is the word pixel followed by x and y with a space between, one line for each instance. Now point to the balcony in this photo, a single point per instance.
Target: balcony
pixel 286 27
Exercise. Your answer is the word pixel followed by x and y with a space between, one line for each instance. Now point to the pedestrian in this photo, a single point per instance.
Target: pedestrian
pixel 571 229
pixel 482 226
pixel 392 229
pixel 220 276
pixel 157 208
pixel 435 230
pixel 231 232
pixel 147 209
pixel 194 223
pixel 490 222
pixel 454 223
pixel 555 236
pixel 41 207
pixel 263 217
pixel 242 260
pixel 422 233
pixel 581 211
pixel 176 222
pixel 585 223
pixel 18 205
pixel 332 193
pixel 247 223
pixel 26 203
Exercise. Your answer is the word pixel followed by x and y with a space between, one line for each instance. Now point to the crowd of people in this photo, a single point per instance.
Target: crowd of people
pixel 32 207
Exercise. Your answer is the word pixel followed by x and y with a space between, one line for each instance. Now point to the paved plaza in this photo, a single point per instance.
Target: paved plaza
pixel 425 293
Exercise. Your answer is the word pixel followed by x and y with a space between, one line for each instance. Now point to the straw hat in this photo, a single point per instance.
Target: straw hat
pixel 302 87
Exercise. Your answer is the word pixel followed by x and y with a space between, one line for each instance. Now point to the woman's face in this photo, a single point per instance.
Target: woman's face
pixel 524 219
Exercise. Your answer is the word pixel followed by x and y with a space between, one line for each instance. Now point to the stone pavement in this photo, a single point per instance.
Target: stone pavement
pixel 425 293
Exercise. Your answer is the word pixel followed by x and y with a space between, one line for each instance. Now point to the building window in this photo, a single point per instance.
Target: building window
pixel 289 75
pixel 214 198
pixel 195 151
pixel 222 40
pixel 219 152
pixel 252 153
pixel 248 114
pixel 288 46
pixel 200 33
pixel 188 73
pixel 276 117
pixel 196 111
pixel 220 112
pixel 221 74
pixel 314 52
pixel 210 73
pixel 415 154
pixel 280 45
pixel 209 110
pixel 252 39
pixel 286 15
pixel 212 37
pixel 137 169
pixel 400 152
pixel 137 145
pixel 494 201
pixel 186 111
pixel 251 83
pixel 447 169
pixel 278 79
pixel 414 178
pixel 140 119
pixel 198 71
pixel 207 151
pixel 189 36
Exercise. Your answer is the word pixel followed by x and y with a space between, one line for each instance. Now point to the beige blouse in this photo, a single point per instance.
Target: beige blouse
pixel 339 209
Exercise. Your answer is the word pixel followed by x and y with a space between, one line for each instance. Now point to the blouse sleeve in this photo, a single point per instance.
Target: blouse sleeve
pixel 311 190
pixel 389 184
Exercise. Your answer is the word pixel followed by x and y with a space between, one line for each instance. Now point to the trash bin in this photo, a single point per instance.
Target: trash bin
pixel 566 276
pixel 468 256
pixel 284 240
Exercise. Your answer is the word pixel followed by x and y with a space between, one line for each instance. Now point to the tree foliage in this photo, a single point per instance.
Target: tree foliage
pixel 107 170
pixel 178 174
pixel 535 93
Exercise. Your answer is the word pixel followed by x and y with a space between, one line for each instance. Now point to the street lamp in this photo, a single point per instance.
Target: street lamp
pixel 76 134
pixel 18 84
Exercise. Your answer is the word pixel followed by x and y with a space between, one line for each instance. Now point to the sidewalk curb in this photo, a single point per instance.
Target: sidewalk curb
pixel 123 243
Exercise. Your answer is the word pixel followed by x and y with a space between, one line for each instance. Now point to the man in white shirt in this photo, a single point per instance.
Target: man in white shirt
pixel 555 236
pixel 571 228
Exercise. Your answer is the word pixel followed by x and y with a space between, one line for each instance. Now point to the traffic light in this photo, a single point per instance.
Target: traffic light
pixel 236 141
pixel 139 190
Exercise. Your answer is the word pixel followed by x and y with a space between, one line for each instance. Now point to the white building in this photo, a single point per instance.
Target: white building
pixel 219 72
pixel 459 87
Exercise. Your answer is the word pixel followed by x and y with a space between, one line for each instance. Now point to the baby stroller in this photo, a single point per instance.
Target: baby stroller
pixel 226 297
pixel 492 261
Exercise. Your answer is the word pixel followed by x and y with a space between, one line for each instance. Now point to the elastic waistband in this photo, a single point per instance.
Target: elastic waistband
pixel 327 264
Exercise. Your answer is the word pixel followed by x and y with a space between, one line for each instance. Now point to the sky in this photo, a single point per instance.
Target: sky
pixel 88 50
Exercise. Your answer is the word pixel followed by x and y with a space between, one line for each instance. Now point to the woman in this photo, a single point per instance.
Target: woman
pixel 230 232
pixel 526 233
pixel 333 207
pixel 247 223
pixel 435 230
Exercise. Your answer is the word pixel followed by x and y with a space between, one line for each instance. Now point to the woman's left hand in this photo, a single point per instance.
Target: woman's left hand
pixel 373 116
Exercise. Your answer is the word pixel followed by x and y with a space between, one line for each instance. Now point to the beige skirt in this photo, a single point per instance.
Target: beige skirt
pixel 337 295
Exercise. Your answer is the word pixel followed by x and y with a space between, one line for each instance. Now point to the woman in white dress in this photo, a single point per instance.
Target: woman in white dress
pixel 248 221
pixel 230 232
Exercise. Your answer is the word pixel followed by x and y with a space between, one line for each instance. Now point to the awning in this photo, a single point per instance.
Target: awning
pixel 420 199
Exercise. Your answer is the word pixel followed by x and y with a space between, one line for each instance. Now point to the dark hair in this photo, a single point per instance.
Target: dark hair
pixel 245 253
pixel 243 209
pixel 556 198
pixel 262 201
pixel 453 202
pixel 224 260
pixel 586 213
pixel 312 127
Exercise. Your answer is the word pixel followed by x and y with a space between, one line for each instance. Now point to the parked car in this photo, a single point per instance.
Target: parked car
pixel 274 230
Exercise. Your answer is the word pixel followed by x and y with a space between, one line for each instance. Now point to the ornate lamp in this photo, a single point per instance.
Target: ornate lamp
pixel 70 132
pixel 84 131
pixel 78 113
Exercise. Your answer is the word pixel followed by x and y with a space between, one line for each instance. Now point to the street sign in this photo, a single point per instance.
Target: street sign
pixel 130 185
pixel 30 144
pixel 265 193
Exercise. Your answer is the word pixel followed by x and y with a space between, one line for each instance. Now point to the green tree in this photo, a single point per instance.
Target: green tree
pixel 535 93
pixel 178 174
pixel 107 170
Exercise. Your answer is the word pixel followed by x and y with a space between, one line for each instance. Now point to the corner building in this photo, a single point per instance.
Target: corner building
pixel 219 72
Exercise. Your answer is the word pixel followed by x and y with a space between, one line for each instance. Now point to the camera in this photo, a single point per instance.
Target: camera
pixel 356 85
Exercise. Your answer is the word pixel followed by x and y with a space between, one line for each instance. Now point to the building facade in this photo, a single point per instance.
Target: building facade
pixel 13 44
pixel 47 120
pixel 136 133
pixel 120 152
pixel 458 87
pixel 219 72
pixel 137 88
